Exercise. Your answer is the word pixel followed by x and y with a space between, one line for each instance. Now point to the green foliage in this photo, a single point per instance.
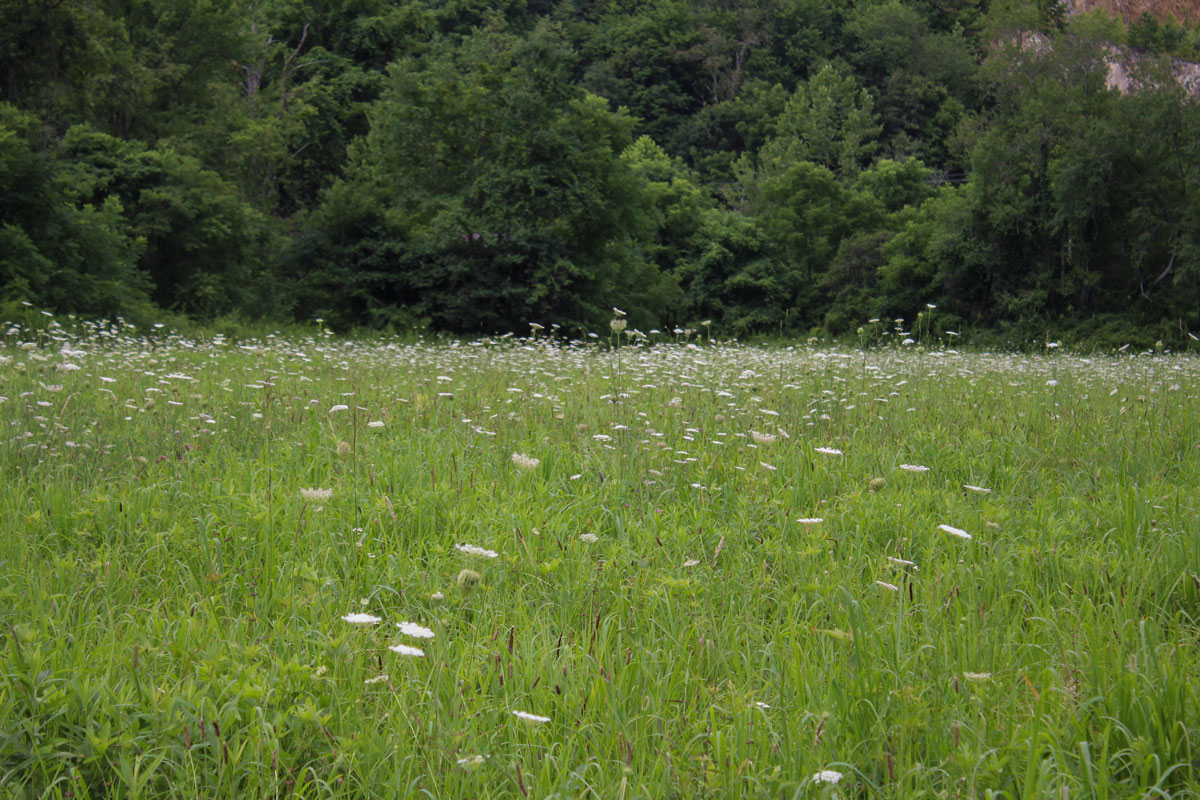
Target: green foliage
pixel 496 195
pixel 466 165
pixel 204 248
pixel 58 246
pixel 830 120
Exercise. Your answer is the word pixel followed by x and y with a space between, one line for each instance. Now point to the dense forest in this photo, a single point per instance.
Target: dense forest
pixel 470 166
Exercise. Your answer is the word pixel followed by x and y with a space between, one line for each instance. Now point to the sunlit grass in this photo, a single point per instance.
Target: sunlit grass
pixel 718 570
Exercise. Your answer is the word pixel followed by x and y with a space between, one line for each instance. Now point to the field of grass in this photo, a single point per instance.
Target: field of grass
pixel 719 571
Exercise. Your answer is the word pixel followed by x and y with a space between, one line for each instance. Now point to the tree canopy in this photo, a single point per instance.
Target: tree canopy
pixel 771 165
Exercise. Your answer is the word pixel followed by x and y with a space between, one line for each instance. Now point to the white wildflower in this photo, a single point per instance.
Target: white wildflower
pixel 405 650
pixel 827 776
pixel 959 532
pixel 375 423
pixel 476 552
pixel 414 630
pixel 524 462
pixel 914 468
pixel 976 489
pixel 316 495
pixel 339 407
pixel 587 537
pixel 828 451
pixel 533 719
pixel 362 619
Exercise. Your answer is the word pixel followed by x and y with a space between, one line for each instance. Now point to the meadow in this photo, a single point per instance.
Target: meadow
pixel 314 567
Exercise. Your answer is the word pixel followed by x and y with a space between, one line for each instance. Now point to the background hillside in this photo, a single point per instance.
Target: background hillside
pixel 771 166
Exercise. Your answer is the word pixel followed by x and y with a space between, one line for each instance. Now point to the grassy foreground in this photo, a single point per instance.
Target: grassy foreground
pixel 720 571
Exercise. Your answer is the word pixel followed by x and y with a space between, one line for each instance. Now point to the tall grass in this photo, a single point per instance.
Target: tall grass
pixel 171 606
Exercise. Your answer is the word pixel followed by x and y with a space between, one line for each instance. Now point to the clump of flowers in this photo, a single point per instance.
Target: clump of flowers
pixel 763 438
pixel 316 495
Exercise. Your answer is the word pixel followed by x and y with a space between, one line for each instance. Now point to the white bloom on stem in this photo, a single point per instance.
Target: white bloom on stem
pixel 375 423
pixel 959 532
pixel 524 462
pixel 977 676
pixel 414 630
pixel 587 537
pixel 405 650
pixel 914 468
pixel 339 407
pixel 532 719
pixel 828 451
pixel 976 489
pixel 810 520
pixel 362 619
pixel 827 776
pixel 475 552
pixel 316 495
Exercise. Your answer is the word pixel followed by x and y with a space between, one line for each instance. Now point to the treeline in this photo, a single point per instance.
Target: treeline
pixel 770 165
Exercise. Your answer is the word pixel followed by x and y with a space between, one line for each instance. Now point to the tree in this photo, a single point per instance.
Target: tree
pixel 57 249
pixel 497 195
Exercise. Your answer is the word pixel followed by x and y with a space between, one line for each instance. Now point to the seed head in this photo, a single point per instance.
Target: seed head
pixel 468 579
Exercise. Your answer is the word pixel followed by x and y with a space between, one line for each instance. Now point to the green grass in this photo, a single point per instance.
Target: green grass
pixel 170 605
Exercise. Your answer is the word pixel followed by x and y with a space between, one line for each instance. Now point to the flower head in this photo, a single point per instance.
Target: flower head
pixel 362 619
pixel 524 462
pixel 414 630
pixel 405 650
pixel 316 495
pixel 914 468
pixel 827 776
pixel 468 579
pixel 532 719
pixel 475 552
pixel 959 532
pixel 828 451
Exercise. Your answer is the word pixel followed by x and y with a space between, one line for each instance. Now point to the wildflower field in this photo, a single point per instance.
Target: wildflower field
pixel 316 567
